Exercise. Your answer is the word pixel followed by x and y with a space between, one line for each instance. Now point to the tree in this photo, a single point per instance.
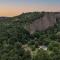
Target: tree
pixel 54 46
pixel 27 55
pixel 41 55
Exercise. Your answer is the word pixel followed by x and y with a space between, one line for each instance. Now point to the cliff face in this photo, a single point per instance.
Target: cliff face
pixel 48 20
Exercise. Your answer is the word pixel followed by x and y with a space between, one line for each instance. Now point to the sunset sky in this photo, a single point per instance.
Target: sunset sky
pixel 16 7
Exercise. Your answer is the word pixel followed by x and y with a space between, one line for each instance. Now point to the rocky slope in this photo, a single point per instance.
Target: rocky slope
pixel 35 21
pixel 48 20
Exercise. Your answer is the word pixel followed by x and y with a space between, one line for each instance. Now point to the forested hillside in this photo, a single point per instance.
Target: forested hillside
pixel 17 43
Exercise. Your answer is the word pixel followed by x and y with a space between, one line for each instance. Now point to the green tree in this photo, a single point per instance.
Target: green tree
pixel 42 55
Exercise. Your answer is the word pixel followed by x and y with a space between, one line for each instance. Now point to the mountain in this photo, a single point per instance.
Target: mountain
pixel 48 20
pixel 40 20
pixel 35 21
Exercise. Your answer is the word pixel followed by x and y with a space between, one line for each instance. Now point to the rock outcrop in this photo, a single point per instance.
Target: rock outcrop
pixel 48 20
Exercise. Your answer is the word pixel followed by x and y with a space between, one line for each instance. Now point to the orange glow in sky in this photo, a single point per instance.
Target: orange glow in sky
pixel 16 10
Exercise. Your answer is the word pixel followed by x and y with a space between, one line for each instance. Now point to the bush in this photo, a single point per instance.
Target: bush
pixel 54 46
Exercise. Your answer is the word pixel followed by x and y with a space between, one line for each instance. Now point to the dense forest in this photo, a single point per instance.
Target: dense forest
pixel 16 43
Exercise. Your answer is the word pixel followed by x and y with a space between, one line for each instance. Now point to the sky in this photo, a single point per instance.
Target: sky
pixel 16 7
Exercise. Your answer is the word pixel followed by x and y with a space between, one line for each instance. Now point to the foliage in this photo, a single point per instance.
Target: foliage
pixel 41 55
pixel 13 36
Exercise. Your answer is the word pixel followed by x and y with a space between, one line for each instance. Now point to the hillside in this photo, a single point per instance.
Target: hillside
pixel 30 36
pixel 38 21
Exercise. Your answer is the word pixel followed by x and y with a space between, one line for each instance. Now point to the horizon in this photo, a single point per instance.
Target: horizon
pixel 16 7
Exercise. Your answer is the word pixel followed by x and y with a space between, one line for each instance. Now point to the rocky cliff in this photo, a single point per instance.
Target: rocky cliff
pixel 48 20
